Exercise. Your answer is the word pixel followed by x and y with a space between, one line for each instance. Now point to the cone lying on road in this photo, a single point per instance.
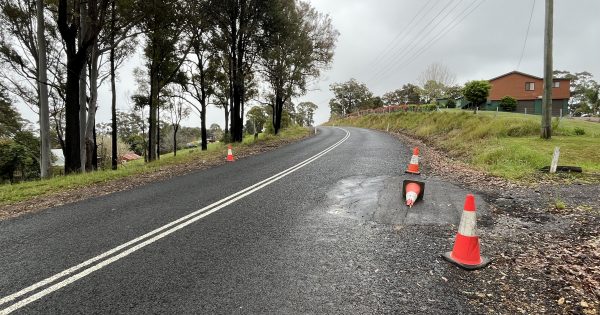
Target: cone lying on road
pixel 229 154
pixel 412 191
pixel 413 166
pixel 465 252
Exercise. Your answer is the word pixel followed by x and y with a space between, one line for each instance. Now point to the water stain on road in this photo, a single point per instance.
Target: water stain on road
pixel 380 199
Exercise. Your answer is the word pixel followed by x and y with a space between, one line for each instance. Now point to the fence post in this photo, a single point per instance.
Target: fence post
pixel 554 160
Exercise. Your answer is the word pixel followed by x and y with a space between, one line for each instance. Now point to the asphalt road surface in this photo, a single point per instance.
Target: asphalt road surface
pixel 317 226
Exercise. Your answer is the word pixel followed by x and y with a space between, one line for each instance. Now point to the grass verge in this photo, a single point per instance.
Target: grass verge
pixel 503 144
pixel 14 193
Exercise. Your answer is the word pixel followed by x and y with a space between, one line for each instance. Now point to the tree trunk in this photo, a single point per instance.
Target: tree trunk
pixel 113 87
pixel 46 157
pixel 82 87
pixel 175 140
pixel 95 154
pixel 72 143
pixel 203 129
pixel 152 128
pixel 277 112
pixel 91 115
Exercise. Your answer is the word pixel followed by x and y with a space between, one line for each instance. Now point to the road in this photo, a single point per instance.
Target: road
pixel 324 231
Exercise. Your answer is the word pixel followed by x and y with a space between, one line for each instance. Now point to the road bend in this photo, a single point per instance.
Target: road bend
pixel 317 226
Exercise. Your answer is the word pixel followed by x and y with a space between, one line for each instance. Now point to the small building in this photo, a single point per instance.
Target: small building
pixel 527 89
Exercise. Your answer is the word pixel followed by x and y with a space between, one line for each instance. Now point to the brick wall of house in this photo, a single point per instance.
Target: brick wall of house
pixel 513 85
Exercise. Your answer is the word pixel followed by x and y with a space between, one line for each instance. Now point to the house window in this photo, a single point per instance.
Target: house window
pixel 529 86
pixel 556 84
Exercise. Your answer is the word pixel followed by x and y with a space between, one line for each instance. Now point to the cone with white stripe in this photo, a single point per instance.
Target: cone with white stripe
pixel 465 252
pixel 229 154
pixel 413 166
pixel 412 191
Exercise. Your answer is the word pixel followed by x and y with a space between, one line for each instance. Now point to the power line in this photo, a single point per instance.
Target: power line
pixel 416 42
pixel 392 44
pixel 433 40
pixel 414 45
pixel 526 36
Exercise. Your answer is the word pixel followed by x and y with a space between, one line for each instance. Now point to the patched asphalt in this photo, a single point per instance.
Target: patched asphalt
pixel 332 237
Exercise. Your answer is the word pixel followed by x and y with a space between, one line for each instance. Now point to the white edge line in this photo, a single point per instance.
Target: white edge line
pixel 220 204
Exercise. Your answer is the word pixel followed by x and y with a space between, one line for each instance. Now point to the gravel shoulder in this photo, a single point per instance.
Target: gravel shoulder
pixel 543 239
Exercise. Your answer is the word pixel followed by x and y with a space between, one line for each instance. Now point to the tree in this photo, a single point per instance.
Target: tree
pixel 19 148
pixel 299 43
pixel 582 86
pixel 256 118
pixel 439 73
pixel 164 26
pixel 177 112
pixel 69 22
pixel 348 97
pixel 476 92
pixel 408 94
pixel 28 41
pixel 434 81
pixel 215 131
pixel 306 112
pixel 508 104
pixel 203 71
pixel 239 25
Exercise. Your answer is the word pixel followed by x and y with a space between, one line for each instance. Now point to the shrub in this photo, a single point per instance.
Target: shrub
pixel 451 103
pixel 579 131
pixel 508 104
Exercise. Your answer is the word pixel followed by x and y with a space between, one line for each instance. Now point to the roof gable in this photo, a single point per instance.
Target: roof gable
pixel 524 74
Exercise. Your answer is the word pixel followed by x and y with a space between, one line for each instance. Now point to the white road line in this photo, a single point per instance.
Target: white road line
pixel 190 218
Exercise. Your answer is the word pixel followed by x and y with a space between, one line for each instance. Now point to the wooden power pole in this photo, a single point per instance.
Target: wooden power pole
pixel 547 96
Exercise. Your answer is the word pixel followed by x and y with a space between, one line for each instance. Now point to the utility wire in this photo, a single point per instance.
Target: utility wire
pixel 433 40
pixel 526 36
pixel 392 44
pixel 417 43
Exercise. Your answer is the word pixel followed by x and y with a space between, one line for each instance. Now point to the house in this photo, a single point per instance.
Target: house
pixel 527 89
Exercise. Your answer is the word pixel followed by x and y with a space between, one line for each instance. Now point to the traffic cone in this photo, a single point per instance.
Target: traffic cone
pixel 413 166
pixel 229 154
pixel 465 252
pixel 412 191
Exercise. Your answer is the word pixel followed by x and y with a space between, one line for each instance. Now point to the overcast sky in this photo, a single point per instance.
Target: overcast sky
pixel 388 43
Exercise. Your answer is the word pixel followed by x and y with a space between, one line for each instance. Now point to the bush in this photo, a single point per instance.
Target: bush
pixel 451 103
pixel 508 104
pixel 579 131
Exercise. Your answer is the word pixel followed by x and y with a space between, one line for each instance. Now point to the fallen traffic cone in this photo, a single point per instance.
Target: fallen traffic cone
pixel 412 191
pixel 413 166
pixel 465 252
pixel 229 154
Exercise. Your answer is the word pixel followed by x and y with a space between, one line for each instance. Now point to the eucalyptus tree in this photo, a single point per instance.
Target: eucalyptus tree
pixel 165 26
pixel 239 28
pixel 69 21
pixel 298 44
pixel 28 49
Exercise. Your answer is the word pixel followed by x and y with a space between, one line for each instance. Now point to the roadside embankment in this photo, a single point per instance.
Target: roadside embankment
pixel 502 144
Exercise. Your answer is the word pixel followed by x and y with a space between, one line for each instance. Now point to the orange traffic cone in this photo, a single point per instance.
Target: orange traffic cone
pixel 229 154
pixel 465 252
pixel 412 191
pixel 413 166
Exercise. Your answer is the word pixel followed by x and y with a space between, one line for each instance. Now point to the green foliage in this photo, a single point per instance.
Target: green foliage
pixel 408 94
pixel 579 131
pixel 451 103
pixel 508 104
pixel 349 96
pixel 476 92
